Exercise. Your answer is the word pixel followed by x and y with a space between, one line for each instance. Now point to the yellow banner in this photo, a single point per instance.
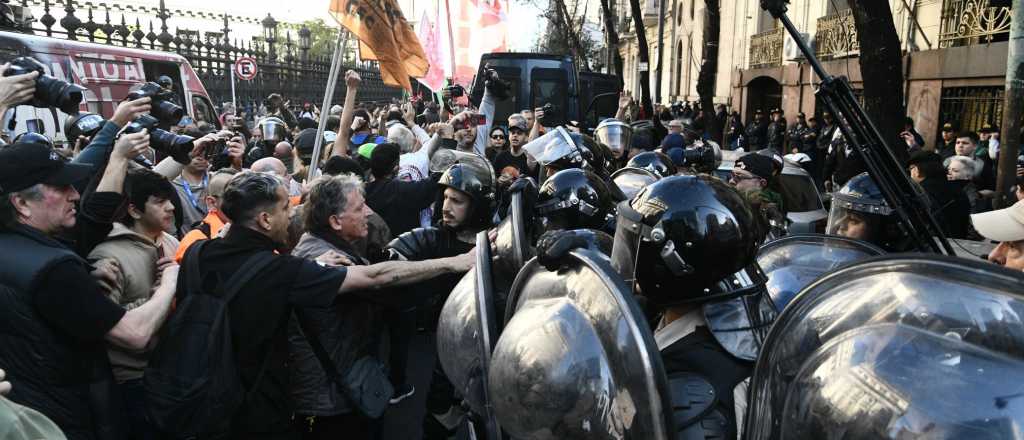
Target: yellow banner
pixel 384 36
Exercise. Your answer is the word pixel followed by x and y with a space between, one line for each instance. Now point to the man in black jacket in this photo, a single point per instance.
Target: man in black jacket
pixel 777 132
pixel 397 201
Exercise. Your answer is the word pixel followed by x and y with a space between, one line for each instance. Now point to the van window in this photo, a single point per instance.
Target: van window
pixel 550 86
pixel 203 110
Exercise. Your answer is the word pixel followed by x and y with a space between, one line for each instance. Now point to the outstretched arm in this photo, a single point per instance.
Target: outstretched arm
pixel 400 273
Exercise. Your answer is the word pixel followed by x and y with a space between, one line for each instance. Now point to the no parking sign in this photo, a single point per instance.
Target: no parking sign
pixel 245 68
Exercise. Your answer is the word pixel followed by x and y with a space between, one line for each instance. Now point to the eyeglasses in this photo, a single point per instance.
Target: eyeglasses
pixel 497 136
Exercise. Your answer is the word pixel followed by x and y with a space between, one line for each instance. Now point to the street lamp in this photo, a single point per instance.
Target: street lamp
pixel 270 34
pixel 304 43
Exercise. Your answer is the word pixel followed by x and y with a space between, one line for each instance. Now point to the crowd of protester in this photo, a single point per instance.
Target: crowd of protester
pixel 124 256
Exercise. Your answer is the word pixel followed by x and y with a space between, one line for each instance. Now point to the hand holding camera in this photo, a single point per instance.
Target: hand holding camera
pixel 131 145
pixel 49 91
pixel 128 110
pixel 16 89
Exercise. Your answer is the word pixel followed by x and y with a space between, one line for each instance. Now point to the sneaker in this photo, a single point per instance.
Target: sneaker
pixel 401 393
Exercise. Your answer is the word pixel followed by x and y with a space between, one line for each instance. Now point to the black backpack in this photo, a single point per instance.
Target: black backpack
pixel 192 384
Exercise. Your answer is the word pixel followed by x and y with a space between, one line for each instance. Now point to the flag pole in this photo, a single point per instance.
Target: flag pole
pixel 451 38
pixel 332 80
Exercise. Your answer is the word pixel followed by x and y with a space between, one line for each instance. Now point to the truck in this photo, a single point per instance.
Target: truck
pixel 539 79
pixel 107 72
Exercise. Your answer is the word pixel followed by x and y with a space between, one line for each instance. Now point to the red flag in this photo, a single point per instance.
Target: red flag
pixel 430 36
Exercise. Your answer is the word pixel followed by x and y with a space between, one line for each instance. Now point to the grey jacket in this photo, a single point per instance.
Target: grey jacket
pixel 348 330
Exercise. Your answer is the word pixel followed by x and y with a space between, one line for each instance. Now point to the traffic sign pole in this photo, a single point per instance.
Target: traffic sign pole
pixel 233 101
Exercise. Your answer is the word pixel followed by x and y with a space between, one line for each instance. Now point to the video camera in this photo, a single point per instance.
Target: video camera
pixel 50 91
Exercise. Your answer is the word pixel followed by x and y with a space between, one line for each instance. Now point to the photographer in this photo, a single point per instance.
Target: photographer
pixel 97 150
pixel 468 132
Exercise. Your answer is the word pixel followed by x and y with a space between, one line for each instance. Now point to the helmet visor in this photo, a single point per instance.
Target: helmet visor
pixel 554 145
pixel 274 130
pixel 618 137
pixel 845 220
pixel 626 245
pixel 631 180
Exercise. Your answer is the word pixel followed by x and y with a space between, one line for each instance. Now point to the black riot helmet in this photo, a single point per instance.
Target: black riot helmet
pixel 475 178
pixel 859 211
pixel 574 199
pixel 558 150
pixel 31 137
pixel 653 161
pixel 681 235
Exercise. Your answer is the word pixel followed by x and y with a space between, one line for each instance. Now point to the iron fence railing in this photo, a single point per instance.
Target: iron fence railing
pixel 285 66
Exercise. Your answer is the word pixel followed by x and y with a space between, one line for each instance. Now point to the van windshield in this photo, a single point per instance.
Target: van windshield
pixel 550 86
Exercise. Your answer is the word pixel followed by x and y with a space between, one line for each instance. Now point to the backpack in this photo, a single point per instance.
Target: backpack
pixel 192 383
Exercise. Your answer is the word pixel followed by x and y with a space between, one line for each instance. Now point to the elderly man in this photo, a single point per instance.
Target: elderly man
pixel 1007 227
pixel 335 216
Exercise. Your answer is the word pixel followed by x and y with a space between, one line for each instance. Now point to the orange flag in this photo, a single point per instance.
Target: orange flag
pixel 384 36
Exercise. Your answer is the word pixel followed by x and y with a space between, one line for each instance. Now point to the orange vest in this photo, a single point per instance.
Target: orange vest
pixel 210 227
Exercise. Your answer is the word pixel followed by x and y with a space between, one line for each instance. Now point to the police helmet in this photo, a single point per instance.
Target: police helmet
pixel 574 199
pixel 679 237
pixel 859 211
pixel 82 124
pixel 653 161
pixel 30 137
pixel 475 179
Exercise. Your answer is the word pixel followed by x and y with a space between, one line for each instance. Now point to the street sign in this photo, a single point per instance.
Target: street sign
pixel 245 68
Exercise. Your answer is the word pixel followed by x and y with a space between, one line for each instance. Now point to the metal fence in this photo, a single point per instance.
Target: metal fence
pixel 966 22
pixel 969 108
pixel 286 67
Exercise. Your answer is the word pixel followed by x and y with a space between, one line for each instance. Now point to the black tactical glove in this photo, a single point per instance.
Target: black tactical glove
pixel 554 246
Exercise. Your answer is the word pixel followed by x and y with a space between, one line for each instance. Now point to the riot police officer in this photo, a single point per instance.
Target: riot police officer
pixel 575 199
pixel 681 243
pixel 464 207
pixel 859 211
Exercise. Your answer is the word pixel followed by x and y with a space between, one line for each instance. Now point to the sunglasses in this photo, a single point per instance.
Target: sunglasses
pixel 497 136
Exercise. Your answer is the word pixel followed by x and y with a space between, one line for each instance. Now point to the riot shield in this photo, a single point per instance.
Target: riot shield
pixel 513 244
pixel 577 360
pixel 466 331
pixel 896 347
pixel 793 262
pixel 740 324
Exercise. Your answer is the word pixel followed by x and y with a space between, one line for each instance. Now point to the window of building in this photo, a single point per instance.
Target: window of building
pixel 971 107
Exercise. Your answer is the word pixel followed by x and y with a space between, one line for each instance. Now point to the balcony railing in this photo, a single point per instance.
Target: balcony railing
pixel 766 49
pixel 967 22
pixel 836 37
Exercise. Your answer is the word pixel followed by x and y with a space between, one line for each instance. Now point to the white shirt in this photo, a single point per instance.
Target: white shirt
pixel 414 167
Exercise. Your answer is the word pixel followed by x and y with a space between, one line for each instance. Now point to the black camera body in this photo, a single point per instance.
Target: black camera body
pixel 702 157
pixel 176 146
pixel 163 108
pixel 50 91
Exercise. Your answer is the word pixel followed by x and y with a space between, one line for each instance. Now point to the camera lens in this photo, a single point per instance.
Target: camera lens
pixel 176 146
pixel 50 91
pixel 167 111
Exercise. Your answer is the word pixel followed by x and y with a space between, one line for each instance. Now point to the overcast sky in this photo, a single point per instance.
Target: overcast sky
pixel 524 25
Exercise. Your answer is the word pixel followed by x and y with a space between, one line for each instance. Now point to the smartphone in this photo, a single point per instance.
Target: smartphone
pixel 478 119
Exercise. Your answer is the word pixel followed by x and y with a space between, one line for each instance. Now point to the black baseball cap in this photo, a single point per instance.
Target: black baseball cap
pixel 757 164
pixel 23 165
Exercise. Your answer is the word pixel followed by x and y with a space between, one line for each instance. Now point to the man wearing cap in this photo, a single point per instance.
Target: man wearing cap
pixel 1007 227
pixel 55 318
pixel 947 146
pixel 757 132
pixel 777 132
pixel 989 144
pixel 751 175
pixel 514 161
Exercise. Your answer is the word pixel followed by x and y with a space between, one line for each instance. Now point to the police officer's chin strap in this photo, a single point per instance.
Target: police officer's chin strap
pixel 715 297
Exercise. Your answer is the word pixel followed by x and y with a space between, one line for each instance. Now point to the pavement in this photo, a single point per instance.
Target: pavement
pixel 404 421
